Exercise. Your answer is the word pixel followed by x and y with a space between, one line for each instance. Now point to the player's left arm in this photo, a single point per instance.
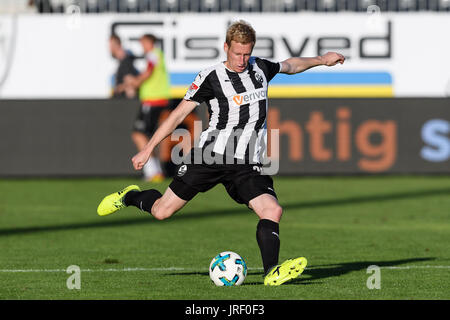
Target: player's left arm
pixel 297 64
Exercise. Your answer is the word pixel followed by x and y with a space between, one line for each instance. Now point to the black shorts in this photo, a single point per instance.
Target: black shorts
pixel 147 120
pixel 243 182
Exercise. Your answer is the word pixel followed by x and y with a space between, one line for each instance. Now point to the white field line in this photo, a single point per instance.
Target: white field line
pixel 189 269
pixel 96 270
pixel 417 267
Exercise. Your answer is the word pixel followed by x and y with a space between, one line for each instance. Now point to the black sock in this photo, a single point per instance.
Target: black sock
pixel 267 235
pixel 144 200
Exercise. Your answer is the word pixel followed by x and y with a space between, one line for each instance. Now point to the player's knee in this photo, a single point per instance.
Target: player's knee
pixel 161 212
pixel 277 212
pixel 273 213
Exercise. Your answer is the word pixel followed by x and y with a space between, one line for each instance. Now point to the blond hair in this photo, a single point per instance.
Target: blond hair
pixel 240 31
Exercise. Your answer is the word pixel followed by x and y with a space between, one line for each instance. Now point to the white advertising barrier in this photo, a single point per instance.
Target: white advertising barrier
pixel 66 56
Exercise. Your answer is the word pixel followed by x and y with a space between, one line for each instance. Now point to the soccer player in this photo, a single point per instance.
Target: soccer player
pixel 125 68
pixel 230 149
pixel 154 93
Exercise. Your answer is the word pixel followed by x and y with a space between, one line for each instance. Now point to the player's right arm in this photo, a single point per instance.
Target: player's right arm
pixel 199 91
pixel 165 129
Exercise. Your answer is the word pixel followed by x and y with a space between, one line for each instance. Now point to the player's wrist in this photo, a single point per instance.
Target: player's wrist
pixel 320 60
pixel 148 149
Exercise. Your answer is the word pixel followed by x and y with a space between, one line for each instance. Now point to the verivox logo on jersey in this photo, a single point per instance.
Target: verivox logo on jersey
pixel 250 97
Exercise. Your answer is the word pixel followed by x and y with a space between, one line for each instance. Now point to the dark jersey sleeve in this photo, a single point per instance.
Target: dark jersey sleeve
pixel 200 90
pixel 269 68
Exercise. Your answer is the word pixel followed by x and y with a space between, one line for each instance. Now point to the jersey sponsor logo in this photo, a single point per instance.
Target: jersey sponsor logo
pixel 250 97
pixel 238 99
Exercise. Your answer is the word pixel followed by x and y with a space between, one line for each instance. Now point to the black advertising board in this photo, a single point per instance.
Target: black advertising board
pixel 315 136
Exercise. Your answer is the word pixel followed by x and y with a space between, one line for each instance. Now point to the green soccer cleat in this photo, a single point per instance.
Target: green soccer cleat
pixel 288 270
pixel 114 201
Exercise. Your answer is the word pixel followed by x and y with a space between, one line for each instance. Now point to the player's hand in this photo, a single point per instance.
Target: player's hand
pixel 130 81
pixel 140 159
pixel 332 58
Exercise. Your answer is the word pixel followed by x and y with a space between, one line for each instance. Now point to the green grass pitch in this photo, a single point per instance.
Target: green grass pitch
pixel 341 224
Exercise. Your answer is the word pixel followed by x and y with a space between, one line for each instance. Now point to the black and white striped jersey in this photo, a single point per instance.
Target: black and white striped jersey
pixel 237 105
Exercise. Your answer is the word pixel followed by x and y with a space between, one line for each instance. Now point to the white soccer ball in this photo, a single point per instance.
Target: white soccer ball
pixel 227 269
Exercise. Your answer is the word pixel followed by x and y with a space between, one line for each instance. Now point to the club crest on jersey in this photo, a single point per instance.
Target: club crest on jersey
pixel 258 77
pixel 182 170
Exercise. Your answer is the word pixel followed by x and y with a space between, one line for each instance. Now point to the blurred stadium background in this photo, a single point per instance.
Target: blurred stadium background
pixel 125 6
pixel 385 112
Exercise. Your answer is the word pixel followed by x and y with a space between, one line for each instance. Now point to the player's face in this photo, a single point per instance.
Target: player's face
pixel 114 48
pixel 238 55
pixel 146 44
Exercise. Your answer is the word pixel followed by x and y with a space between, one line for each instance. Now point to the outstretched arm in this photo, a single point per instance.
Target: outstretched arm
pixel 167 127
pixel 297 65
pixel 136 81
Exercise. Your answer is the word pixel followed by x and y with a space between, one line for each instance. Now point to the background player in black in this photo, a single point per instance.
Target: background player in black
pixel 243 184
pixel 125 69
